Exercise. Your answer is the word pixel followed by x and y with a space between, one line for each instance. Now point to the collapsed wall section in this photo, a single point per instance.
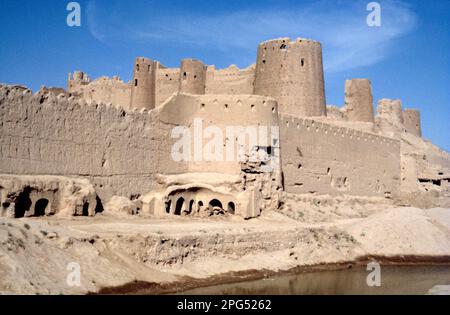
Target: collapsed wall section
pixel 320 158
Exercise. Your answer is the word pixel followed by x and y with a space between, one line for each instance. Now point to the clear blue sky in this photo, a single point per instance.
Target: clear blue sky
pixel 408 57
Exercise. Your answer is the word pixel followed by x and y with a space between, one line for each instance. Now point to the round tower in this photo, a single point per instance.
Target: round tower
pixel 411 121
pixel 192 76
pixel 292 73
pixel 359 100
pixel 143 85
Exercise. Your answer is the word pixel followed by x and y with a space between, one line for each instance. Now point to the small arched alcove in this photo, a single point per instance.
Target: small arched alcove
pixel 231 207
pixel 215 203
pixel 199 206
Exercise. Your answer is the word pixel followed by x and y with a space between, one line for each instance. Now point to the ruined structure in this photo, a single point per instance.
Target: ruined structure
pixel 197 140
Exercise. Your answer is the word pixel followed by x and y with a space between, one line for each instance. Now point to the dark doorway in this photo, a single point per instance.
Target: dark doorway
pixel 86 209
pixel 179 206
pixel 23 203
pixel 40 206
pixel 168 204
pixel 191 206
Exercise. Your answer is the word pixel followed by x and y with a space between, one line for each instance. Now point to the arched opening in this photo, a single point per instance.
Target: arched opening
pixel 40 207
pixel 86 209
pixel 135 82
pixel 215 203
pixel 99 205
pixel 168 204
pixel 191 206
pixel 23 203
pixel 231 207
pixel 199 206
pixel 179 206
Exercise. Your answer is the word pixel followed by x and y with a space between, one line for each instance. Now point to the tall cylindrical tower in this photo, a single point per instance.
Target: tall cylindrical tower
pixel 192 76
pixel 411 121
pixel 143 85
pixel 359 100
pixel 292 73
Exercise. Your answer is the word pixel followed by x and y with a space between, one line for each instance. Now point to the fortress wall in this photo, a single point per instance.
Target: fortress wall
pixel 321 158
pixel 336 113
pixel 219 111
pixel 167 83
pixel 231 80
pixel 292 73
pixel 105 90
pixel 118 150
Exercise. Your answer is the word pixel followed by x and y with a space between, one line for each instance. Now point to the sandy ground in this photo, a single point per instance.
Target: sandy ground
pixel 36 254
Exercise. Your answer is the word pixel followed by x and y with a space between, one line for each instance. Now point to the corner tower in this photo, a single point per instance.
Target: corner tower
pixel 292 73
pixel 144 83
pixel 192 76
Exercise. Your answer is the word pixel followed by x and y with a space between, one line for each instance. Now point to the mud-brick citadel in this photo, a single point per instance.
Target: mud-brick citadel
pixel 104 141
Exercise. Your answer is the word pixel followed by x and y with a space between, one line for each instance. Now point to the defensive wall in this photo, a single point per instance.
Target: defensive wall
pixel 321 158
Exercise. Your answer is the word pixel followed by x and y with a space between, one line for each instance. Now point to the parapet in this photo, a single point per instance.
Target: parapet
pixel 335 113
pixel 359 100
pixel 292 73
pixel 411 121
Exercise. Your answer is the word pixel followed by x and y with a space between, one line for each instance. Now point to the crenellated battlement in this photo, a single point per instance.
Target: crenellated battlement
pixel 311 125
